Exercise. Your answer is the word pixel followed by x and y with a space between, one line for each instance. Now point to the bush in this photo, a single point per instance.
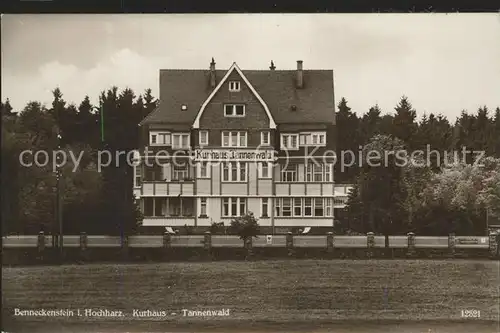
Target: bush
pixel 245 226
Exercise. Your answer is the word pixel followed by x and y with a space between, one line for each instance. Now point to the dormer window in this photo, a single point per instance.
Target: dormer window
pixel 234 85
pixel 234 110
pixel 159 138
pixel 184 107
pixel 264 138
pixel 203 138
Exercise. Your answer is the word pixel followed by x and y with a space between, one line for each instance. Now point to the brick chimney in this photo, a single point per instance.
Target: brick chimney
pixel 212 73
pixel 300 75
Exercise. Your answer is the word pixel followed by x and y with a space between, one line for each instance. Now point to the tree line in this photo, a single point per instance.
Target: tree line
pixel 434 193
pixel 392 199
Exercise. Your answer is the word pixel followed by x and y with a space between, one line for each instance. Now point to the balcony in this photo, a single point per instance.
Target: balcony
pixel 167 188
pixel 340 201
pixel 304 189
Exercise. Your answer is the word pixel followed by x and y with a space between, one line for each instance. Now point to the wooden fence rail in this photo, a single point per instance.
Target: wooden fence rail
pixel 329 242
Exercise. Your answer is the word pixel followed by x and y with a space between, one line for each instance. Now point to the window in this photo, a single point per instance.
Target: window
pixel 319 172
pixel 148 206
pixel 234 207
pixel 243 206
pixel 181 172
pixel 159 138
pixel 289 141
pixel 154 206
pixel 297 207
pixel 303 207
pixel 243 171
pixel 328 206
pixel 180 206
pixel 312 139
pixel 180 141
pixel 328 172
pixel 203 138
pixel 159 206
pixel 302 139
pixel 318 207
pixel 307 206
pixel 289 173
pixel 225 172
pixel 234 139
pixel 340 200
pixel 225 207
pixel 203 207
pixel 234 172
pixel 153 173
pixel 265 169
pixel 243 140
pixel 234 86
pixel 264 207
pixel 234 110
pixel 204 166
pixel 287 207
pixel 137 175
pixel 265 138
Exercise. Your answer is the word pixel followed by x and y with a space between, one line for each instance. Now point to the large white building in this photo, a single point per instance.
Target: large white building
pixel 222 143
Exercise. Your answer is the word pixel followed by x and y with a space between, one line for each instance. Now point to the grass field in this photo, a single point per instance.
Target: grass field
pixel 305 295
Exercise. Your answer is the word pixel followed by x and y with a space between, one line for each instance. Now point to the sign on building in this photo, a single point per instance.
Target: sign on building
pixel 227 155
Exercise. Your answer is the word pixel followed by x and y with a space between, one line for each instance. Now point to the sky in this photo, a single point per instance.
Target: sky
pixel 444 63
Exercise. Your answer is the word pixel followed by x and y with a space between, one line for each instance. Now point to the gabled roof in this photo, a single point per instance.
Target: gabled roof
pixel 234 67
pixel 314 102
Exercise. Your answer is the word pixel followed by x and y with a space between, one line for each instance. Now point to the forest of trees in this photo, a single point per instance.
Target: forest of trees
pixel 387 200
pixel 436 199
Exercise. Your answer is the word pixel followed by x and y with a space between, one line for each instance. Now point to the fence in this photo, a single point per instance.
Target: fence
pixel 167 245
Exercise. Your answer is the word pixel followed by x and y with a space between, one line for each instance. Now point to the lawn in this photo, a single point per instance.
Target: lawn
pixel 297 294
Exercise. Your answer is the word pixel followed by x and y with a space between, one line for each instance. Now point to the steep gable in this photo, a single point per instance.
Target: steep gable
pixel 234 67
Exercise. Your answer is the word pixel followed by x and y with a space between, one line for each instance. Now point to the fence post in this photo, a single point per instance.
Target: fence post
pixel 248 245
pixel 207 243
pixel 289 243
pixel 370 240
pixel 451 244
pixel 493 245
pixel 124 248
pixel 166 243
pixel 329 243
pixel 411 245
pixel 41 245
pixel 83 245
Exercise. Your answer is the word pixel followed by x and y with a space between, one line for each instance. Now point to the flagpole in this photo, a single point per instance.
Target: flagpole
pixel 487 221
pixel 58 200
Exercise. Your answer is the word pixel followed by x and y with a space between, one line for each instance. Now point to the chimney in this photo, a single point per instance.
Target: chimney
pixel 300 74
pixel 212 73
pixel 272 66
